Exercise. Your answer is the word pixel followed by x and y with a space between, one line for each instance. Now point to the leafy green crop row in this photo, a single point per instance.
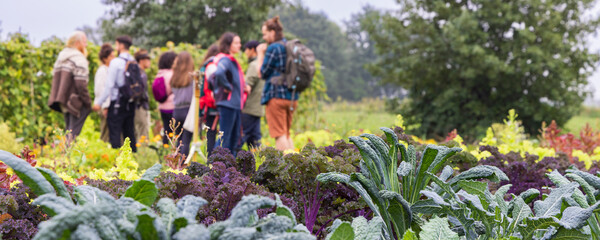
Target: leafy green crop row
pixel 412 195
pixel 409 194
pixel 98 215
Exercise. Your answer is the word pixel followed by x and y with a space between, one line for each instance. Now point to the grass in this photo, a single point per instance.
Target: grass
pixel 587 115
pixel 367 115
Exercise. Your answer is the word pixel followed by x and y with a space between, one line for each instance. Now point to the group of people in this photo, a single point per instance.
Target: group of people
pixel 231 100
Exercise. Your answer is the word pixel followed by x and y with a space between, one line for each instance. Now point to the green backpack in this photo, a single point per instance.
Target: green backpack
pixel 299 66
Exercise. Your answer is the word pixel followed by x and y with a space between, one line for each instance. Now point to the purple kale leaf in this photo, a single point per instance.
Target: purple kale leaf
pixel 245 163
pixel 115 187
pixel 21 229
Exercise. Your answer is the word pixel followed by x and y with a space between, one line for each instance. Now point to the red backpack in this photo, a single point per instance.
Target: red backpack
pixel 207 99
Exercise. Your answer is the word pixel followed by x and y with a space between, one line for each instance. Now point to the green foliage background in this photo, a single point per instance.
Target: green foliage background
pixel 466 63
pixel 24 93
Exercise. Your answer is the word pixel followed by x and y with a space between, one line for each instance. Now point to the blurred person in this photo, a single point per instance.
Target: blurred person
pixel 142 113
pixel 183 91
pixel 70 76
pixel 279 100
pixel 207 101
pixel 121 112
pixel 229 91
pixel 253 110
pixel 163 77
pixel 106 55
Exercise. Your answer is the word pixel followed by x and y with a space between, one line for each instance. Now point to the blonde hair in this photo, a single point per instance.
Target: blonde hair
pixel 75 38
pixel 183 66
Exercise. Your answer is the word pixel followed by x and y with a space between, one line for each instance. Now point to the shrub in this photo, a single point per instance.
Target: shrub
pixel 588 141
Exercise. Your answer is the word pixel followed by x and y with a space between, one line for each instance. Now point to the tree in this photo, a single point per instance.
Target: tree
pixel 342 68
pixel 363 53
pixel 152 23
pixel 466 63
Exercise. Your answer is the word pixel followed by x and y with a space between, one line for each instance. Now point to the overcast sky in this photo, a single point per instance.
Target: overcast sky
pixel 42 19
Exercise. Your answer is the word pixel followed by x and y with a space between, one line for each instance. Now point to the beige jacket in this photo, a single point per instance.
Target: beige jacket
pixel 69 83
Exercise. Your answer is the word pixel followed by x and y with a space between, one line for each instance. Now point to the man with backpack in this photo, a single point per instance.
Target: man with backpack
pixel 122 87
pixel 288 69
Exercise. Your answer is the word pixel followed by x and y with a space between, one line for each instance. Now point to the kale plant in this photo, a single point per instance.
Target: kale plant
pixel 245 163
pixel 95 214
pixel 405 192
pixel 525 173
pixel 294 175
pixel 20 229
pixel 196 169
pixel 176 185
pixel 337 149
pixel 580 205
pixel 22 195
pixel 222 187
pixel 221 154
pixel 359 229
pixel 391 179
pixel 18 217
